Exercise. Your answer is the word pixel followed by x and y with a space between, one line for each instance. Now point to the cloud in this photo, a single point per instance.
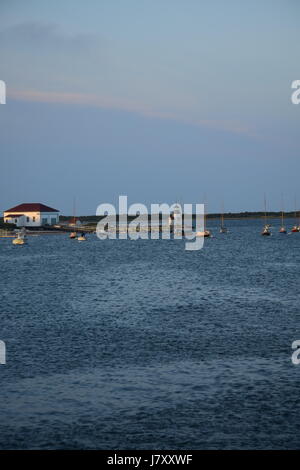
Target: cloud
pixel 106 102
pixel 58 67
pixel 39 36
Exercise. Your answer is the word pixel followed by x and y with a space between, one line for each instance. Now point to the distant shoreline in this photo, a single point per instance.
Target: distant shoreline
pixel 89 223
pixel 228 215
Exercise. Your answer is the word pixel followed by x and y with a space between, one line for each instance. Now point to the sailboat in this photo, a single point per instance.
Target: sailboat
pixel 296 227
pixel 282 228
pixel 223 229
pixel 81 238
pixel 266 229
pixel 206 233
pixel 73 234
pixel 19 240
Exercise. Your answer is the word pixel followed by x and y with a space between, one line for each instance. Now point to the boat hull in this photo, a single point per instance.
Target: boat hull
pixel 18 241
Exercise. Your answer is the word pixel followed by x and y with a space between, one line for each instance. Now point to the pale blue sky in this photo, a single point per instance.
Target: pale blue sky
pixel 157 99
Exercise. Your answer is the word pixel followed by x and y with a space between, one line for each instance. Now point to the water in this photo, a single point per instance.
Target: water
pixel 123 344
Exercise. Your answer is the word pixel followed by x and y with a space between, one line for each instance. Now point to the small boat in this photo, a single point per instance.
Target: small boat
pixel 19 240
pixel 223 229
pixel 266 231
pixel 73 234
pixel 206 233
pixel 81 238
pixel 296 227
pixel 282 228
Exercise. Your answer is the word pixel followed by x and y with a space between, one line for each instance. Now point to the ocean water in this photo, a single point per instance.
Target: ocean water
pixel 123 344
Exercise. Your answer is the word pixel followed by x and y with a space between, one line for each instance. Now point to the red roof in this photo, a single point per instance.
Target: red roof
pixel 31 207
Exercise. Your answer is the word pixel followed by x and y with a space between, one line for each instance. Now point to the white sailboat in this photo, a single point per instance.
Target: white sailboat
pixel 282 228
pixel 206 233
pixel 223 229
pixel 296 228
pixel 266 229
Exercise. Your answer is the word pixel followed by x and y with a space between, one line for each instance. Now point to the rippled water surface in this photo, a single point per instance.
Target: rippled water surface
pixel 123 344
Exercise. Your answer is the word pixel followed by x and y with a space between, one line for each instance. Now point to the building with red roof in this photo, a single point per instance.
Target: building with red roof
pixel 31 214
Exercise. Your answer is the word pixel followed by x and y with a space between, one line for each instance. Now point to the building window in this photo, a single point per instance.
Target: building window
pixel 44 221
pixel 27 218
pixel 16 220
pixel 33 219
pixel 53 220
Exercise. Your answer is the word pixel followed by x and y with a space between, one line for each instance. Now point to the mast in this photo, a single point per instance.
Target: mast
pixel 204 197
pixel 296 216
pixel 265 209
pixel 74 211
pixel 222 215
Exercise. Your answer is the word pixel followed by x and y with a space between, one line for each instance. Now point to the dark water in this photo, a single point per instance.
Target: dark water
pixel 141 344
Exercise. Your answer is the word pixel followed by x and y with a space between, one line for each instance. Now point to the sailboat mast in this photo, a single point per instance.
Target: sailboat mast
pixel 204 211
pixel 222 215
pixel 74 212
pixel 265 208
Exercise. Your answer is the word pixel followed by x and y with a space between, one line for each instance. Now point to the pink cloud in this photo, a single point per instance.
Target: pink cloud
pixel 124 105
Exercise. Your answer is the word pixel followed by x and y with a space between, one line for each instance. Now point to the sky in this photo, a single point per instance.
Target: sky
pixel 159 100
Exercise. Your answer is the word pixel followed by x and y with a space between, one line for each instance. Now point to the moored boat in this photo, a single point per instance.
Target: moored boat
pixel 19 240
pixel 282 228
pixel 73 235
pixel 223 229
pixel 266 230
pixel 296 228
pixel 82 238
pixel 206 233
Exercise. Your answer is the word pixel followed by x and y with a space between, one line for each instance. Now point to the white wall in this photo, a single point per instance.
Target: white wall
pixel 35 218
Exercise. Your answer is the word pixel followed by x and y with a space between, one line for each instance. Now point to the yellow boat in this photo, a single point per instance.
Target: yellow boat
pixel 19 240
pixel 81 238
